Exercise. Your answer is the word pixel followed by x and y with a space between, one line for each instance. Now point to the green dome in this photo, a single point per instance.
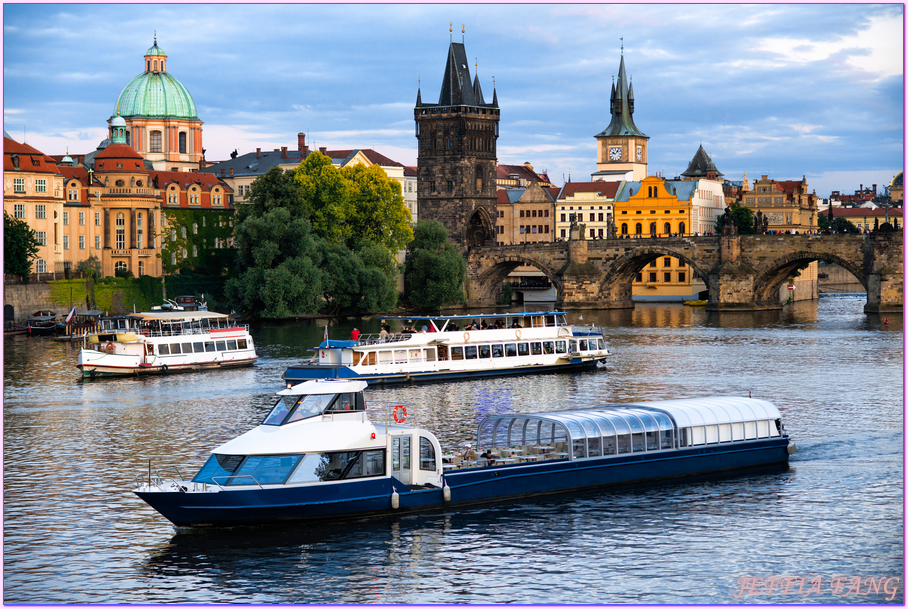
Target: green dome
pixel 156 95
pixel 155 50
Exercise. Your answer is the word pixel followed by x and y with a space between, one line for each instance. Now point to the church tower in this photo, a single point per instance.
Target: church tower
pixel 621 147
pixel 457 159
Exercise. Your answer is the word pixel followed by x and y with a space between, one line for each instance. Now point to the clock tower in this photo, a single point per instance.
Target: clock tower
pixel 621 147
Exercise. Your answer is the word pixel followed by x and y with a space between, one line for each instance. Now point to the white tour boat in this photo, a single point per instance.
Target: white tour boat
pixel 317 455
pixel 160 342
pixel 458 347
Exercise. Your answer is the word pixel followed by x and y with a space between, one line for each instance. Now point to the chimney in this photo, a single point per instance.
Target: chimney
pixel 258 153
pixel 283 152
pixel 301 141
pixel 323 150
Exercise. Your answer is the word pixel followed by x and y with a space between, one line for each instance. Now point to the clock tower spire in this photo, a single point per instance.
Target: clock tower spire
pixel 621 147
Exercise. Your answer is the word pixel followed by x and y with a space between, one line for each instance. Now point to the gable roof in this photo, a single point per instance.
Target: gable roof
pixel 37 161
pixel 605 189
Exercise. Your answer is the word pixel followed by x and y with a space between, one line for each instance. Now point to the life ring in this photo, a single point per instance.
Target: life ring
pixel 144 332
pixel 400 413
pixel 466 337
pixel 109 348
pixel 517 333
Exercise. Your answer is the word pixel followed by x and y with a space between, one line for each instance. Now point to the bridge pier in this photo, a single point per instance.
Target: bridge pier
pixel 885 281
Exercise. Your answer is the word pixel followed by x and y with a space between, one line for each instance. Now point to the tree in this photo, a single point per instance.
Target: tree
pixel 743 217
pixel 838 224
pixel 377 257
pixel 379 211
pixel 91 266
pixel 327 197
pixel 20 246
pixel 349 285
pixel 435 270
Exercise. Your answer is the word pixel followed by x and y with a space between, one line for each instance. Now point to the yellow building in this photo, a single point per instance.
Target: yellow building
pixel 787 204
pixel 586 203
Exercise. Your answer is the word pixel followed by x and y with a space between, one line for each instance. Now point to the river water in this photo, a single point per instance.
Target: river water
pixel 75 533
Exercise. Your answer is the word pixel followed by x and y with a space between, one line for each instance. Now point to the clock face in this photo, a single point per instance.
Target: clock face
pixel 614 153
pixel 639 153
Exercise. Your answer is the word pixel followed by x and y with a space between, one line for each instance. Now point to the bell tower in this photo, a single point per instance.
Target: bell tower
pixel 621 152
pixel 457 159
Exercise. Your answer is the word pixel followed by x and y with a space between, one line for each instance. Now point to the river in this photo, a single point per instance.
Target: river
pixel 75 533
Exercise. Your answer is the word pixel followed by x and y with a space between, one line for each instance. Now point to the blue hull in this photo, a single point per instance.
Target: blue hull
pixel 313 372
pixel 495 483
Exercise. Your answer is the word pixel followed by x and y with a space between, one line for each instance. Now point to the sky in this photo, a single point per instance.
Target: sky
pixel 784 90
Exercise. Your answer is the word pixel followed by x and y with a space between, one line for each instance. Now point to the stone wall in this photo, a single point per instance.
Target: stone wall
pixel 28 298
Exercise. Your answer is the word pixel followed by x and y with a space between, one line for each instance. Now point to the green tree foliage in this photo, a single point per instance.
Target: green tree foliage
pixel 20 246
pixel 377 257
pixel 91 266
pixel 743 216
pixel 197 232
pixel 435 270
pixel 348 283
pixel 379 211
pixel 838 225
pixel 327 196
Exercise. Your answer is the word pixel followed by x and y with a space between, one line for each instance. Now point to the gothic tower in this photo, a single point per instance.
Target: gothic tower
pixel 457 160
pixel 621 147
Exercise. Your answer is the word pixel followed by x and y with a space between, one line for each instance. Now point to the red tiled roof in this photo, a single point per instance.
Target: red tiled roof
pixel 521 171
pixel 503 196
pixel 118 151
pixel 862 212
pixel 27 157
pixel 184 179
pixel 374 157
pixel 608 189
pixel 410 171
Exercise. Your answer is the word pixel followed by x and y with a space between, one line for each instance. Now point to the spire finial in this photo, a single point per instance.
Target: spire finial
pixel 118 109
pixel 463 32
pixel 451 30
pixel 622 46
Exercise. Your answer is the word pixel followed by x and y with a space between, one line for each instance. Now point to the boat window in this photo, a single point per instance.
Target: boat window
pixel 737 431
pixel 456 353
pixel 510 349
pixel 442 353
pixel 485 351
pixel 548 347
pixel 470 352
pixel 241 343
pixel 667 439
pixel 395 454
pixel 593 447
pixel 712 434
pixel 608 445
pixel 536 348
pixel 430 354
pixel 762 429
pixel 573 347
pixel 400 356
pixel 523 349
pixel 175 348
pixel 198 347
pixel 322 467
pixel 550 321
pixel 384 357
pixel 652 440
pixel 310 406
pixel 264 470
pixel 415 355
pixel 624 443
pixel 426 455
pixel 347 402
pixel 578 451
pixel 583 345
pixel 497 350
pixel 221 345
pixel 725 432
pixel 697 435
pixel 209 346
pixel 560 346
pixel 601 344
pixel 163 350
pixel 218 466
pixel 231 345
pixel 637 442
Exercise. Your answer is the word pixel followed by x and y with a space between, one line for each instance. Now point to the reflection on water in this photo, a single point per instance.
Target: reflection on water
pixel 75 533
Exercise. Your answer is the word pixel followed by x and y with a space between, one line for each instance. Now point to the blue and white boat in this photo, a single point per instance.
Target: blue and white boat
pixel 458 347
pixel 317 455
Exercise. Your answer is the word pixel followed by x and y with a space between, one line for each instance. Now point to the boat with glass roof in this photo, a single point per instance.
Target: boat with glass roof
pixel 163 342
pixel 318 455
pixel 436 348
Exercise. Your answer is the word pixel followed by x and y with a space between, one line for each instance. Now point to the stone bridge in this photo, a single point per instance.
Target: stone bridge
pixel 741 272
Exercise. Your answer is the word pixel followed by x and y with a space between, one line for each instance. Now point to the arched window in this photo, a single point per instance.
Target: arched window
pixel 183 234
pixel 668 228
pixel 195 228
pixel 155 65
pixel 120 266
pixel 624 228
pixel 119 183
pixel 139 232
pixel 652 229
pixel 121 231
pixel 141 268
pixel 182 142
pixel 639 229
pixel 681 228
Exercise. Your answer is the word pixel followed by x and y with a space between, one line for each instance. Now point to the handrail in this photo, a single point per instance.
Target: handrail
pixel 215 480
pixel 173 468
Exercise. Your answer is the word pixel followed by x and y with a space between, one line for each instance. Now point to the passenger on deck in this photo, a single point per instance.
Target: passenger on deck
pixel 469 454
pixel 488 456
pixel 354 335
pixel 516 325
pixel 383 335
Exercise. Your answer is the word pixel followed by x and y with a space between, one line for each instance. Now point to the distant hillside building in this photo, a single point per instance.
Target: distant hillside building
pixel 589 205
pixel 457 155
pixel 520 176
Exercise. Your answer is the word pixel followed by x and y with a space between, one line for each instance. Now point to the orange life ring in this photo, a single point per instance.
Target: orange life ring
pixel 517 333
pixel 109 348
pixel 400 413
pixel 144 332
pixel 466 337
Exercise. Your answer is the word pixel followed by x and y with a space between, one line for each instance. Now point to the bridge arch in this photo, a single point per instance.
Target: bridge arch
pixel 769 280
pixel 485 286
pixel 617 281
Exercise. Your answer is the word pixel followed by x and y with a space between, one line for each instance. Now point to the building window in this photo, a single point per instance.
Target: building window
pixel 666 262
pixel 141 268
pixel 40 212
pixel 42 237
pixel 183 252
pixel 195 228
pixel 41 185
pixel 639 277
pixel 173 234
pixel 154 141
pixel 563 217
pixel 81 242
pixel 97 242
pixel 638 229
pixel 183 234
pixel 652 278
pixel 19 185
pixel 600 233
pixel 97 218
pixel 182 142
pixel 681 277
pixel 121 231
pixel 120 266
pixel 81 218
pixel 579 217
pixel 66 218
pixel 19 211
pixel 66 242
pixel 592 233
pixel 173 258
pixel 681 228
pixel 623 228
pixel 668 228
pixel 652 229
pixel 40 266
pixel 195 251
pixel 653 263
pixel 668 277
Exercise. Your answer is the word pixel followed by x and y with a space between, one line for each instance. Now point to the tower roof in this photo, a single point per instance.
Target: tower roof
pixel 701 165
pixel 456 86
pixel 155 94
pixel 622 106
pixel 155 49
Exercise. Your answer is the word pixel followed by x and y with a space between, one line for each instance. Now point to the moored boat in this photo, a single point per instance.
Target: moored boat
pixel 41 323
pixel 318 455
pixel 161 342
pixel 437 348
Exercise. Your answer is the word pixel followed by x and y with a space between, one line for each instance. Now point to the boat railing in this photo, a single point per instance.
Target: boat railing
pixel 170 469
pixel 590 330
pixel 216 478
pixel 158 481
pixel 153 332
pixel 376 339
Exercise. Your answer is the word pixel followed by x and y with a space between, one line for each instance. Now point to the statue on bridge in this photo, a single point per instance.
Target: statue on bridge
pixel 729 223
pixel 761 223
pixel 611 229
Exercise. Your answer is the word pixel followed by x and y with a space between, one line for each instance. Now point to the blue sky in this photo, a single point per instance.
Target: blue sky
pixel 785 90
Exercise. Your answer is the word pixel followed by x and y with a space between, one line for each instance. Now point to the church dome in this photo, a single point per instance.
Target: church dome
pixel 155 93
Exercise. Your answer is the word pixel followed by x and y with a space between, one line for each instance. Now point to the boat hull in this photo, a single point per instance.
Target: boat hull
pixel 313 372
pixel 96 370
pixel 259 506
